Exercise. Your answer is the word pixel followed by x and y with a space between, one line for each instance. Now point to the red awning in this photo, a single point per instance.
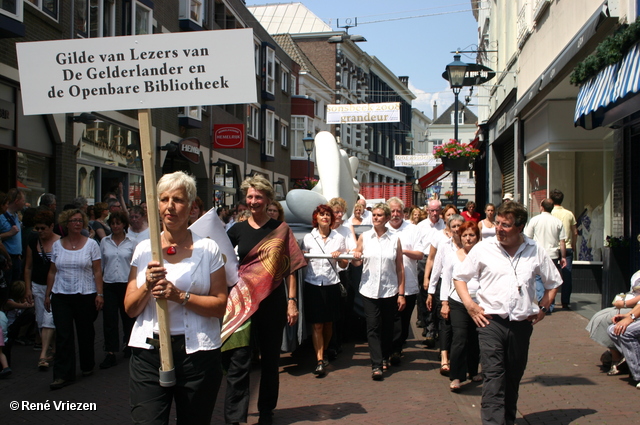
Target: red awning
pixel 432 176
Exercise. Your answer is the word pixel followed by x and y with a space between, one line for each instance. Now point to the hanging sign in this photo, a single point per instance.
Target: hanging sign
pixel 137 72
pixel 228 136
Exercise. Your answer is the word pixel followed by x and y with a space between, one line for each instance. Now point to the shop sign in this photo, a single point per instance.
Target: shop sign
pixel 228 136
pixel 7 115
pixel 363 113
pixel 189 149
pixel 137 72
pixel 417 160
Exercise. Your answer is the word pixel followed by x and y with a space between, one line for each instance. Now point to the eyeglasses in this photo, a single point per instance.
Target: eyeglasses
pixel 504 225
pixel 38 228
pixel 76 220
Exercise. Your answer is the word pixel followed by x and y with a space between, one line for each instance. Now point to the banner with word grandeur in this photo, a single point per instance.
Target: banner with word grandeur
pixel 363 112
pixel 417 160
pixel 137 72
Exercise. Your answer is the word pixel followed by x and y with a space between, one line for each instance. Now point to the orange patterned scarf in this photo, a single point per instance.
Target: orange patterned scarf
pixel 262 270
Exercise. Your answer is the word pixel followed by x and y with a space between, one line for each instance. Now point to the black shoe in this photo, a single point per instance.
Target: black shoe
pixel 320 371
pixel 395 359
pixel 331 354
pixel 109 361
pixel 4 374
pixel 566 307
pixel 376 374
pixel 59 383
pixel 86 373
pixel 430 342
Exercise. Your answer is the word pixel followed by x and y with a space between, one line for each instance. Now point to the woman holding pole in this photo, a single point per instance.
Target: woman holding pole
pixel 193 282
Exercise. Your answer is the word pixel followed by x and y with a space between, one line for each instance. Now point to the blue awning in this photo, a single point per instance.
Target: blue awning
pixel 607 90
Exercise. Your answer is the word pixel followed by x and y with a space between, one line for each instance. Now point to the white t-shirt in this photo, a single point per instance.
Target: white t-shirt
pixel 507 285
pixel 192 274
pixel 379 277
pixel 75 268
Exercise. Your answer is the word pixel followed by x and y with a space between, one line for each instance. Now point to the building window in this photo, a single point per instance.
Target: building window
pixel 270 124
pixel 270 67
pixel 12 9
pixel 300 126
pixel 192 9
pixel 142 22
pixel 294 85
pixel 95 18
pixel 460 117
pixel 193 112
pixel 284 135
pixel 253 121
pixel 50 7
pixel 284 79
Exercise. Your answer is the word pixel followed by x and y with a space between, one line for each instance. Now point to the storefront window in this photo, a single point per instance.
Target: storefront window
pixel 109 155
pixel 537 177
pixel 225 185
pixel 33 176
pixel 586 180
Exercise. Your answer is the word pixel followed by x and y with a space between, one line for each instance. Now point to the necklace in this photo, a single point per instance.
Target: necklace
pixel 173 249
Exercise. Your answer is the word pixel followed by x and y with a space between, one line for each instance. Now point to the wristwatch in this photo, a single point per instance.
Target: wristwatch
pixel 543 308
pixel 633 317
pixel 186 298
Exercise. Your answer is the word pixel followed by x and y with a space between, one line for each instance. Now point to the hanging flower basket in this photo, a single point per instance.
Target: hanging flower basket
pixel 457 164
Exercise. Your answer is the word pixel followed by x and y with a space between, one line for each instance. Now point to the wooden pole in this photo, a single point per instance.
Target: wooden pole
pixel 167 372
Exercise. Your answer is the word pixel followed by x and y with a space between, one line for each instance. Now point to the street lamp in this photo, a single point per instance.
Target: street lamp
pixel 456 71
pixel 308 147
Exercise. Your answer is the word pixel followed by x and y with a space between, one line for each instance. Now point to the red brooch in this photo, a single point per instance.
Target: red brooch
pixel 171 250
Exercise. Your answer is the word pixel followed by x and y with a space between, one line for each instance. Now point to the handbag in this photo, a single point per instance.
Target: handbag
pixel 343 290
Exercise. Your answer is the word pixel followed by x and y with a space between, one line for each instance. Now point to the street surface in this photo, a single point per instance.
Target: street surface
pixel 563 385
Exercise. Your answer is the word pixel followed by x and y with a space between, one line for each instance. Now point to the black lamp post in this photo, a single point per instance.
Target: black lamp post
pixel 456 71
pixel 308 147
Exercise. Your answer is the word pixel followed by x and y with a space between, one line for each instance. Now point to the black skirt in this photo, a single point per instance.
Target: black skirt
pixel 321 303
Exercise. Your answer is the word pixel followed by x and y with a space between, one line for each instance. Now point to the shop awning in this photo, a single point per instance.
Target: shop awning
pixel 609 90
pixel 588 30
pixel 434 175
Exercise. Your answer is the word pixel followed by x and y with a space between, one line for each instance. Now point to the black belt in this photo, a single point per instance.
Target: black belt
pixel 155 341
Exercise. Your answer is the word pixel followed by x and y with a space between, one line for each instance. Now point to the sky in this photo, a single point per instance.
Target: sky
pixel 419 46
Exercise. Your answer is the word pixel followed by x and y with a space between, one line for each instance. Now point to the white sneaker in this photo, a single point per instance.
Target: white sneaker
pixel 638 386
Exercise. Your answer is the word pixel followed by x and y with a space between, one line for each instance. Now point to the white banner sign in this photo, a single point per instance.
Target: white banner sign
pixel 137 72
pixel 363 112
pixel 418 160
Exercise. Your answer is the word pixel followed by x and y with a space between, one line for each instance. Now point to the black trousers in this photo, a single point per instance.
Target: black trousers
pixel 504 351
pixel 465 351
pixel 380 314
pixel 402 323
pixel 114 306
pixel 198 377
pixel 68 311
pixel 267 324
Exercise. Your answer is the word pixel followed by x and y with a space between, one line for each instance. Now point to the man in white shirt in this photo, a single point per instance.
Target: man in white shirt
pixel 548 232
pixel 366 214
pixel 428 229
pixel 505 267
pixel 411 252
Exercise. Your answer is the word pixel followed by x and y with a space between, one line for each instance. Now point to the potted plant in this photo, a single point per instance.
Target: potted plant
pixel 615 267
pixel 449 194
pixel 455 156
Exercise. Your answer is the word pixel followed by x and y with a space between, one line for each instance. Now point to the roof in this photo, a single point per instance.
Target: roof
pixel 445 117
pixel 292 18
pixel 288 44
